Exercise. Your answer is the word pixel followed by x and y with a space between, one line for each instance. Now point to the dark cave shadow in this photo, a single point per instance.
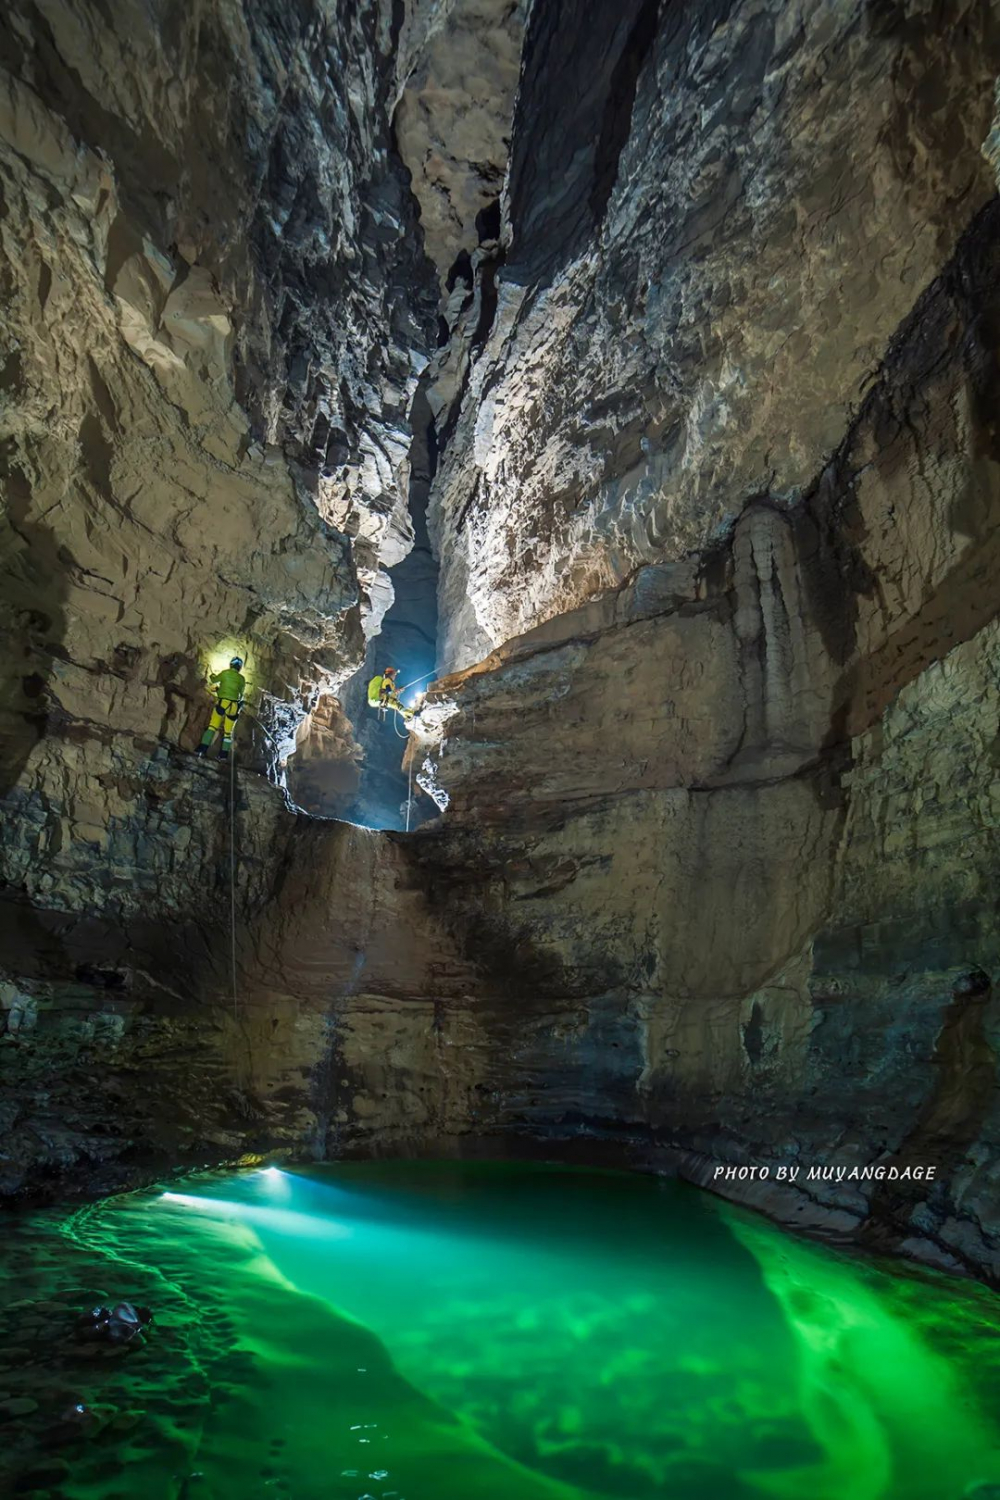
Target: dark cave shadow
pixel 33 593
pixel 952 1118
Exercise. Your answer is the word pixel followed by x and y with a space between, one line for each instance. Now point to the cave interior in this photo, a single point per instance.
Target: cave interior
pixel 628 376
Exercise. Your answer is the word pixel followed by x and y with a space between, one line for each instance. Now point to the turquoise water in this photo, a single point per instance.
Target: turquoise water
pixel 415 1331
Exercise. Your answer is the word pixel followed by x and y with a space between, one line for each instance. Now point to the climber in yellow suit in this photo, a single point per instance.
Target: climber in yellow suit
pixel 382 693
pixel 229 686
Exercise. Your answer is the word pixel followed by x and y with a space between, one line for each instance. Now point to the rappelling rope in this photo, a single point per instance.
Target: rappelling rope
pixel 417 679
pixel 409 796
pixel 232 872
pixel 263 728
pixel 238 1019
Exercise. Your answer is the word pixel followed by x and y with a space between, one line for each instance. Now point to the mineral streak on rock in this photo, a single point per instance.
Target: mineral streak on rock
pixel 705 311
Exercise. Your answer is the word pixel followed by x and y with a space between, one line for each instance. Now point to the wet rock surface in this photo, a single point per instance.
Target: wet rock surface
pixel 98 1413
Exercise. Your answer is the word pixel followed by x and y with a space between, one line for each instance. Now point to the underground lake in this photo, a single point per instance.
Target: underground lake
pixel 443 1331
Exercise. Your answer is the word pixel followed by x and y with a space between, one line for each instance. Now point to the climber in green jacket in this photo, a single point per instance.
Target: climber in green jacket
pixel 229 686
pixel 382 692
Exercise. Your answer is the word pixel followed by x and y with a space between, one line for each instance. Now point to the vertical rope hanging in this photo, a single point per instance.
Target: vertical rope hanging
pixel 232 873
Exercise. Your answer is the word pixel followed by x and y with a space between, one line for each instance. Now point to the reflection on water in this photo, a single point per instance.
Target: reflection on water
pixel 442 1332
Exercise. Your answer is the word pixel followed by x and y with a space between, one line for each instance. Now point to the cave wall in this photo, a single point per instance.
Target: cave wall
pixel 731 830
pixel 210 357
pixel 215 309
pixel 453 119
pixel 715 218
pixel 141 1036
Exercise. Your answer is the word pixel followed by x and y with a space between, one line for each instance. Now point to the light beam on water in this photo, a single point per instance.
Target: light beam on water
pixel 516 1333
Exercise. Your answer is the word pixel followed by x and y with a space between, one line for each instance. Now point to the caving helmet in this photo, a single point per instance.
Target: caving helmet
pixel 390 671
pixel 236 662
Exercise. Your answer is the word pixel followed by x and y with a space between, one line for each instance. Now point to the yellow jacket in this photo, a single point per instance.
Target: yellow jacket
pixel 379 689
pixel 231 684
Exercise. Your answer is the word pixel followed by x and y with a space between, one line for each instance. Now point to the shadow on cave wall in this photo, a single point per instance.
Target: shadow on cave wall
pixel 47 949
pixel 953 1115
pixel 955 323
pixel 32 623
pixel 581 70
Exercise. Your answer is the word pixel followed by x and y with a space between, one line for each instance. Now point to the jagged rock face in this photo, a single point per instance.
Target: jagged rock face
pixel 453 121
pixel 206 240
pixel 715 220
pixel 215 312
pixel 322 773
pixel 380 793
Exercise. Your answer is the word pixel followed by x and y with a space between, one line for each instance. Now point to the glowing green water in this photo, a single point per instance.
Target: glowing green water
pixel 437 1332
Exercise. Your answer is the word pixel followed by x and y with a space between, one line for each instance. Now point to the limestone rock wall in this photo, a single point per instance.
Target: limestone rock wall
pixel 453 121
pixel 215 310
pixel 142 1033
pixel 215 307
pixel 715 218
pixel 731 832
